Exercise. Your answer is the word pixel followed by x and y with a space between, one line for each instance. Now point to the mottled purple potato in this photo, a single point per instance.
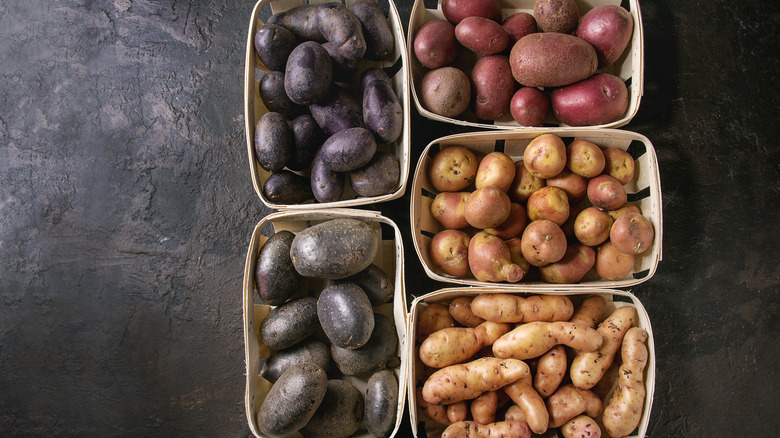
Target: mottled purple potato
pixel 342 28
pixel 529 106
pixel 334 249
pixel 311 351
pixel 381 347
pixel 275 276
pixel 339 415
pixel 274 97
pixel 381 403
pixel 382 111
pixel 482 35
pixel 346 315
pixel 292 402
pixel 600 99
pixel 344 69
pixel 308 73
pixel 273 44
pixel 273 142
pixel 286 187
pixel 380 41
pixel 379 177
pixel 435 44
pixel 337 111
pixel 492 85
pixel 457 10
pixel 550 59
pixel 556 15
pixel 519 25
pixel 307 139
pixel 446 91
pixel 289 323
pixel 348 150
pixel 608 29
pixel 301 21
pixel 327 185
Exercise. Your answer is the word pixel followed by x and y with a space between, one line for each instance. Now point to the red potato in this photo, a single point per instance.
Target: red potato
pixel 489 259
pixel 568 226
pixel 545 156
pixel 600 99
pixel 456 10
pixel 574 185
pixel 445 91
pixel 556 15
pixel 487 207
pixel 435 44
pixel 481 35
pixel 495 169
pixel 592 226
pixel 585 158
pixel 516 254
pixel 449 208
pixel 524 183
pixel 627 208
pixel 514 225
pixel 519 25
pixel 551 59
pixel 492 86
pixel 608 29
pixel 543 242
pixel 606 193
pixel 611 263
pixel 550 203
pixel 619 164
pixel 453 168
pixel 577 261
pixel 529 106
pixel 632 233
pixel 449 252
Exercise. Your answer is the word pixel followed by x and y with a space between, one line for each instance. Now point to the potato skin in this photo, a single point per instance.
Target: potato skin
pixel 312 351
pixel 292 401
pixel 339 415
pixel 348 150
pixel 508 308
pixel 374 355
pixel 551 59
pixel 377 285
pixel 432 318
pixel 308 73
pixel 378 177
pixel 608 29
pixel 600 99
pixel 533 339
pixel 275 276
pixel 556 15
pixel 545 156
pixel 344 69
pixel 334 249
pixel 340 26
pixel 381 403
pixel 632 233
pixel 581 426
pixel 326 185
pixel 273 44
pixel 307 139
pixel 275 99
pixel 472 429
pixel 611 263
pixel 493 86
pixel 606 192
pixel 289 323
pixel 301 21
pixel 487 207
pixel 453 169
pixel 529 106
pixel 619 164
pixel 337 110
pixel 587 368
pixel 481 35
pixel 466 381
pixel 273 142
pixel 345 314
pixel 456 11
pixel 286 187
pixel 449 209
pixel 543 242
pixel 376 31
pixel 460 309
pixel 577 261
pixel 449 252
pixel 623 411
pixel 490 260
pixel 382 112
pixel 435 44
pixel 446 91
pixel 519 25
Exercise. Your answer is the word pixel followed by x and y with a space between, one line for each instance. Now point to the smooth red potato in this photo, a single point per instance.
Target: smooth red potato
pixel 452 169
pixel 435 44
pixel 606 193
pixel 487 207
pixel 585 158
pixel 577 261
pixel 543 242
pixel 529 106
pixel 449 208
pixel 519 25
pixel 592 226
pixel 550 203
pixel 608 28
pixel 545 156
pixel 495 169
pixel 449 252
pixel 575 186
pixel 619 164
pixel 600 99
pixel 524 183
pixel 514 225
pixel 611 263
pixel 492 87
pixel 489 259
pixel 632 233
pixel 456 10
pixel 482 35
pixel 445 91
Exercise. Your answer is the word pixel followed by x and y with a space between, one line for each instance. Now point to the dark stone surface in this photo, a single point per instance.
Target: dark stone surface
pixel 126 207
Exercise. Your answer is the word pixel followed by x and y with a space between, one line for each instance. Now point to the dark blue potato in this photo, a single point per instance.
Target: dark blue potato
pixel 273 44
pixel 275 276
pixel 334 249
pixel 274 97
pixel 290 323
pixel 273 142
pixel 381 403
pixel 344 69
pixel 312 351
pixel 342 28
pixel 372 74
pixel 348 149
pixel 286 187
pixel 345 315
pixel 301 21
pixel 376 30
pixel 380 349
pixel 337 111
pixel 340 414
pixel 382 112
pixel 308 73
pixel 307 139
pixel 293 400
pixel 327 185
pixel 376 283
pixel 378 177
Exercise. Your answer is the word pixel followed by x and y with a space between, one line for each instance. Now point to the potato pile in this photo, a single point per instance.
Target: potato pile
pixel 555 215
pixel 509 365
pixel 525 64
pixel 330 114
pixel 316 342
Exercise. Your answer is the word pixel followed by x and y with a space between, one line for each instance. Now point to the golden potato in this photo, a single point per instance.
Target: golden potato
pixel 452 169
pixel 545 156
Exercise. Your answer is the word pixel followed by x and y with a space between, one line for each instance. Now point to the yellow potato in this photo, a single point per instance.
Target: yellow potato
pixel 484 407
pixel 590 311
pixel 569 401
pixel 624 409
pixel 512 308
pixel 432 318
pixel 587 368
pixel 437 413
pixel 458 411
pixel 453 345
pixel 550 371
pixel 522 392
pixel 466 381
pixel 471 429
pixel 533 339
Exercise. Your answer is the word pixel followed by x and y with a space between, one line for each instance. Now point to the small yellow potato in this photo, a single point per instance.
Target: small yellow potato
pixel 550 371
pixel 458 411
pixel 453 345
pixel 590 311
pixel 500 429
pixel 522 392
pixel 433 318
pixel 466 381
pixel 581 426
pixel 549 202
pixel 624 409
pixel 483 408
pixel 545 156
pixel 510 308
pixel 568 402
pixel 585 158
pixel 495 169
pixel 587 368
pixel 619 164
pixel 533 339
pixel 524 183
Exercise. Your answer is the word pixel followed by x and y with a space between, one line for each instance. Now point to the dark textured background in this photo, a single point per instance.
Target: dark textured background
pixel 126 208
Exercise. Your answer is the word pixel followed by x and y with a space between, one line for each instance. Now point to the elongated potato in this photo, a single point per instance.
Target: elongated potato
pixel 533 339
pixel 460 309
pixel 512 308
pixel 550 371
pixel 522 392
pixel 483 408
pixel 468 380
pixel 471 429
pixel 624 409
pixel 568 402
pixel 381 403
pixel 590 311
pixel 453 345
pixel 432 318
pixel 437 413
pixel 587 368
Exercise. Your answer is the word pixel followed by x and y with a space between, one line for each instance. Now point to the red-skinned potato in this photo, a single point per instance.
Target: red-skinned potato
pixel 487 207
pixel 545 156
pixel 449 208
pixel 529 106
pixel 627 208
pixel 606 193
pixel 524 183
pixel 489 259
pixel 515 246
pixel 543 242
pixel 632 233
pixel 575 186
pixel 619 164
pixel 608 29
pixel 551 59
pixel 495 169
pixel 550 203
pixel 435 44
pixel 577 261
pixel 481 35
pixel 568 226
pixel 592 226
pixel 519 25
pixel 585 158
pixel 449 252
pixel 514 225
pixel 492 86
pixel 600 99
pixel 611 263
pixel 453 168
pixel 556 15
pixel 456 10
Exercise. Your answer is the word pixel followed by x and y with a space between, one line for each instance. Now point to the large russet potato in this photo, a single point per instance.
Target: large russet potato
pixel 551 59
